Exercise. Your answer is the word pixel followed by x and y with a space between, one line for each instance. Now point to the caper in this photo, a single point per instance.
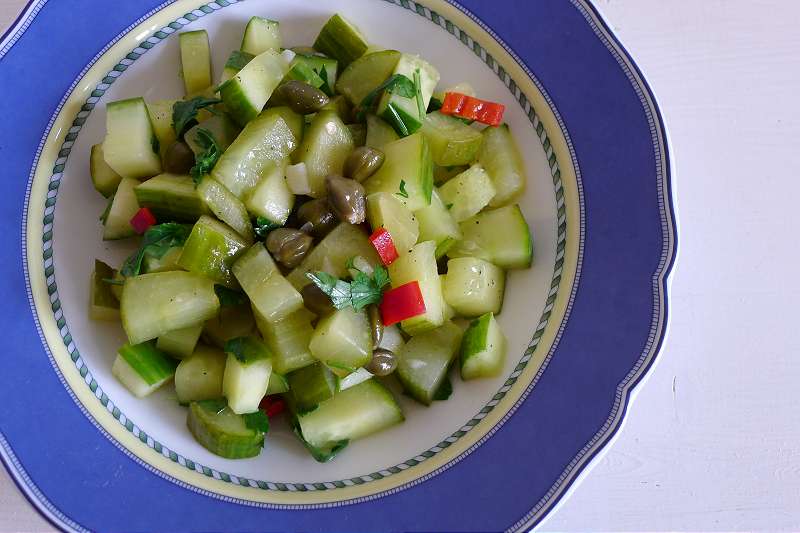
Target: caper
pixel 301 97
pixel 316 217
pixel 288 246
pixel 178 158
pixel 347 198
pixel 383 362
pixel 376 325
pixel 363 162
pixel 316 301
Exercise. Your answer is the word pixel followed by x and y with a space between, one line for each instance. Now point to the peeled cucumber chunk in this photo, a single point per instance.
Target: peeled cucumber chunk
pixel 384 210
pixel 104 179
pixel 365 74
pixel 295 121
pixel 332 253
pixel 343 340
pixel 406 115
pixel 473 286
pixel 357 412
pixel 469 192
pixel 199 376
pixel 419 265
pixel 271 197
pixel 226 206
pixel 288 340
pixel 311 386
pixel 165 263
pixel 326 144
pixel 195 60
pixel 245 94
pixel 437 224
pixel 155 304
pixel 222 128
pixel 247 372
pixel 379 133
pixel 117 224
pixel 223 432
pixel 180 343
pixel 142 369
pixel 211 250
pixel 500 157
pixel 269 292
pixel 161 119
pixel 407 163
pixel 452 142
pixel 103 305
pixel 231 322
pixel 424 361
pixel 260 35
pixel 171 197
pixel 340 39
pixel 514 250
pixel 265 141
pixel 483 348
pixel 131 146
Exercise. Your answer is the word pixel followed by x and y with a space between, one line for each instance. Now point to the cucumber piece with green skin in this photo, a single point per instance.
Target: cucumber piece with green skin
pixel 419 265
pixel 408 163
pixel 232 321
pixel 479 238
pixel 245 94
pixel 500 157
pixel 423 363
pixel 483 348
pixel 104 179
pixel 468 193
pixel 195 60
pixel 211 250
pixel 227 207
pixel 131 146
pixel 161 118
pixel 295 121
pixel 343 340
pixel 171 197
pixel 223 129
pixel 473 286
pixel 199 376
pixel 235 62
pixel 165 263
pixel 180 343
pixel 223 432
pixel 404 113
pixel 300 70
pixel 352 414
pixel 277 384
pixel 332 253
pixel 437 224
pixel 384 210
pixel 271 198
pixel 359 134
pixel 142 368
pixel 269 292
pixel 452 142
pixel 365 74
pixel 103 305
pixel 340 39
pixel 154 304
pixel 325 67
pixel 288 339
pixel 247 372
pixel 265 141
pixel 260 35
pixel 326 144
pixel 117 223
pixel 311 386
pixel 379 133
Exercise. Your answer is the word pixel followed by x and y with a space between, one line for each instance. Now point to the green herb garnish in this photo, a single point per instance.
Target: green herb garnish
pixel 326 86
pixel 362 291
pixel 418 94
pixel 247 349
pixel 184 112
pixel 258 421
pixel 396 84
pixel 205 160
pixel 403 192
pixel 156 242
pixel 449 205
pixel 263 226
pixel 229 297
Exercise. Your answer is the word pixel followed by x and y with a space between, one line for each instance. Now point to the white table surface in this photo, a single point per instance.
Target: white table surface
pixel 712 441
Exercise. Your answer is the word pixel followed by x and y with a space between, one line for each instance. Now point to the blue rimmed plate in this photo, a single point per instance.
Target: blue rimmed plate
pixel 584 323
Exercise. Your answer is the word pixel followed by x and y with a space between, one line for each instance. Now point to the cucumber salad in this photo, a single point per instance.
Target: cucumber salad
pixel 312 224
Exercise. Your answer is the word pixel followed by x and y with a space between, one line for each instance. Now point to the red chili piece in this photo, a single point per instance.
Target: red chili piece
pixel 142 220
pixel 272 405
pixel 401 303
pixel 469 107
pixel 383 243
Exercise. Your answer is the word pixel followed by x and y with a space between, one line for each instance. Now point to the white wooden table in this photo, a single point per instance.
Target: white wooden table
pixel 712 441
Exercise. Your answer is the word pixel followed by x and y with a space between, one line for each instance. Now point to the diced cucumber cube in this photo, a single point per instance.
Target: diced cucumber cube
pixel 131 145
pixel 354 378
pixel 379 133
pixel 117 224
pixel 103 305
pixel 235 62
pixel 142 369
pixel 269 292
pixel 473 286
pixel 343 340
pixel 500 157
pixel 232 321
pixel 514 250
pixel 260 35
pixel 245 94
pixel 171 197
pixel 104 179
pixel 468 193
pixel 271 197
pixel 227 207
pixel 277 384
pixel 324 70
pixel 340 39
pixel 223 432
pixel 437 224
pixel 483 348
pixel 452 142
pixel 407 114
pixel 161 119
pixel 295 121
pixel 180 343
pixel 419 265
pixel 199 376
pixel 155 304
pixel 195 60
pixel 407 172
pixel 384 210
pixel 288 339
pixel 165 263
pixel 247 372
pixel 365 74
pixel 443 174
pixel 326 144
pixel 222 128
pixel 423 363
pixel 311 386
pixel 300 70
pixel 211 250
